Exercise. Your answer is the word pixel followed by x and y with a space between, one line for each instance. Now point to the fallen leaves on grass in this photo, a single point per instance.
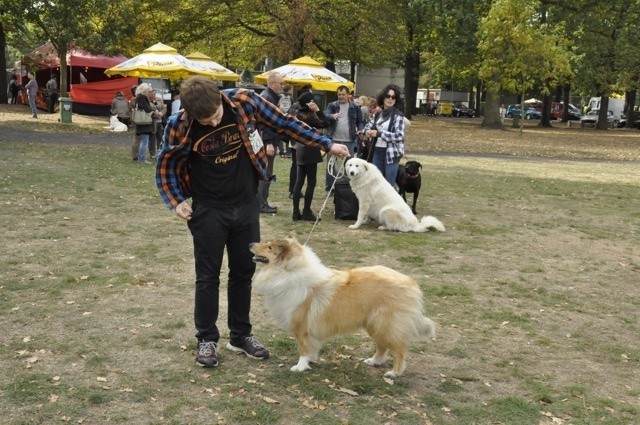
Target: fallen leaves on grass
pixel 270 400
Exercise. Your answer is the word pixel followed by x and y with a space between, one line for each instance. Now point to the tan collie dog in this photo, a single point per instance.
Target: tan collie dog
pixel 316 303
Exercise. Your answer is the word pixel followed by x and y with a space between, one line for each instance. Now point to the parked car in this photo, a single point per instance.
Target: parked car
pixel 460 110
pixel 623 121
pixel 515 110
pixel 573 114
pixel 591 119
pixel 530 114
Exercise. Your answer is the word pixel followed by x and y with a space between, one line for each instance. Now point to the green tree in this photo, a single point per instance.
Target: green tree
pixel 93 25
pixel 13 29
pixel 517 53
pixel 607 40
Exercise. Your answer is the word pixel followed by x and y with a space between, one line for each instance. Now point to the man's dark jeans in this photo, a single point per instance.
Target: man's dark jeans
pixel 213 229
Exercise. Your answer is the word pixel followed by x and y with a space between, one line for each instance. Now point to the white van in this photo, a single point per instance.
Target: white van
pixel 615 105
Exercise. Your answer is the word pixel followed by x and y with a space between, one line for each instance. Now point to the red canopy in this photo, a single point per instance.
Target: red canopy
pixel 46 56
pixel 102 92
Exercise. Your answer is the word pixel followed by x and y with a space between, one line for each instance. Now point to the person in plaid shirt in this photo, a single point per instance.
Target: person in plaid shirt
pixel 214 155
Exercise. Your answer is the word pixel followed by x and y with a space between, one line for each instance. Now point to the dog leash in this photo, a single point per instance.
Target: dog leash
pixel 330 168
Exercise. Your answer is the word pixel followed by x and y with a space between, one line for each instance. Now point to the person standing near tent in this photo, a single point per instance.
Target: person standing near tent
pixel 156 138
pixel 52 93
pixel 32 92
pixel 121 109
pixel 144 97
pixel 12 90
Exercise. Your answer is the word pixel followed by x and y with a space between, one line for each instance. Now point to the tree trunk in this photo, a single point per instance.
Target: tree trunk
pixel 411 75
pixel 545 120
pixel 631 101
pixel 3 60
pixel 566 91
pixel 64 71
pixel 479 89
pixel 491 118
pixel 603 124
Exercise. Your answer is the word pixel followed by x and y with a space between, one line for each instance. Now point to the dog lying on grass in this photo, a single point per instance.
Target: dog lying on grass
pixel 116 125
pixel 316 303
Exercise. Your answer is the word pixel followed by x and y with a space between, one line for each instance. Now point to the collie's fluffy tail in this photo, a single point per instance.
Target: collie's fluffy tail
pixel 428 327
pixel 430 222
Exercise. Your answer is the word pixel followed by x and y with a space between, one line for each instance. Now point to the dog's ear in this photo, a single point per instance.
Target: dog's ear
pixel 292 235
pixel 278 247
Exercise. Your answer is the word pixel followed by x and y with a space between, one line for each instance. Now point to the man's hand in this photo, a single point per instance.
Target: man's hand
pixel 184 211
pixel 339 150
pixel 271 150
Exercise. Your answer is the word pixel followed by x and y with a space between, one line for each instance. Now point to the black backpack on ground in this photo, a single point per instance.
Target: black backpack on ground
pixel 344 200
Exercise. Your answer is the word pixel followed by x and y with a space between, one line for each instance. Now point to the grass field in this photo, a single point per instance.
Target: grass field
pixel 534 288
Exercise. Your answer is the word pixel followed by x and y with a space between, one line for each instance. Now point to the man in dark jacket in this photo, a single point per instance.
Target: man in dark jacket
pixel 346 122
pixel 271 139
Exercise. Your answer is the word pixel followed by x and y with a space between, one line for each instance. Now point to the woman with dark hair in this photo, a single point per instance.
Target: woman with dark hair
pixel 387 127
pixel 307 158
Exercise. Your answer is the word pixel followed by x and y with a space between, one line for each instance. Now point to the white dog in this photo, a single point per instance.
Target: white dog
pixel 378 200
pixel 116 125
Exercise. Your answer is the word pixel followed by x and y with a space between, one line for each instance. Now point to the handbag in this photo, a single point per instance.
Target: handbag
pixel 141 117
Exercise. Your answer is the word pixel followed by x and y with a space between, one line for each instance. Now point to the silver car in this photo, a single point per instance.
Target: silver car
pixel 591 119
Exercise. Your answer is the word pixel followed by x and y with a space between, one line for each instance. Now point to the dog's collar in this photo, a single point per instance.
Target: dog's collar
pixel 414 177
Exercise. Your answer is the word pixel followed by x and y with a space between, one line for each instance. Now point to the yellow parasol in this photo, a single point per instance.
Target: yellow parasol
pixel 220 72
pixel 305 70
pixel 160 61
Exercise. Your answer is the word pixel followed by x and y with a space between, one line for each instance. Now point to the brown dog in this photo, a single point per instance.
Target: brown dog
pixel 316 303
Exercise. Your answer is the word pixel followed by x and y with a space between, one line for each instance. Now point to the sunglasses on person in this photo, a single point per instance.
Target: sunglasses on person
pixel 390 96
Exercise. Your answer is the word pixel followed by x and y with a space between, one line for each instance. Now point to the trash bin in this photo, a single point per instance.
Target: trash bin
pixel 65 110
pixel 515 122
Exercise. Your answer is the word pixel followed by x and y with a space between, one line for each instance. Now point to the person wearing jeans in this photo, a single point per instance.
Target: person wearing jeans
pixel 345 122
pixel 144 95
pixel 387 127
pixel 32 92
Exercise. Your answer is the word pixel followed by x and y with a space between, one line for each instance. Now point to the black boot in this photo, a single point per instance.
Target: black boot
pixel 307 215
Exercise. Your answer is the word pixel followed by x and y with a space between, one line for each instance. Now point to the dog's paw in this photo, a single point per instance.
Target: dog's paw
pixel 373 361
pixel 300 368
pixel 354 226
pixel 391 374
pixel 382 228
pixel 303 364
